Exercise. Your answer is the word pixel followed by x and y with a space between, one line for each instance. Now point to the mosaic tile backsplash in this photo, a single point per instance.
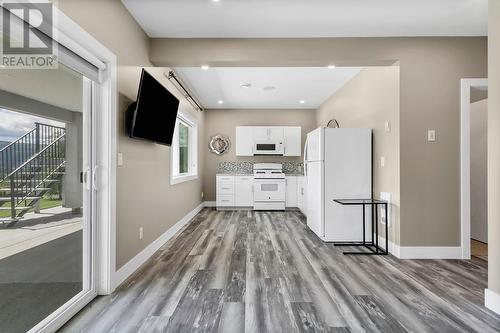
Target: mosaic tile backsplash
pixel 247 167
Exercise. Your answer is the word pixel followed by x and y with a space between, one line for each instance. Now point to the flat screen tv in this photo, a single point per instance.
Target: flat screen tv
pixel 152 117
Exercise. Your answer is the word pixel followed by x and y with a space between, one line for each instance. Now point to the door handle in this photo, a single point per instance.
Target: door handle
pixel 95 187
pixel 85 178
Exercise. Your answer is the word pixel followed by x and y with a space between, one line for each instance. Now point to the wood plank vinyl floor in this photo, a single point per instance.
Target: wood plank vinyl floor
pixel 246 271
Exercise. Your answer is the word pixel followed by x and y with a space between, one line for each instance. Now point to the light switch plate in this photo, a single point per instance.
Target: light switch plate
pixel 431 135
pixel 387 197
pixel 120 159
pixel 387 126
pixel 382 161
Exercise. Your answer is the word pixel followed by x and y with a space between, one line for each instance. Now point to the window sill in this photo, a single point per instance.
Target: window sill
pixel 182 179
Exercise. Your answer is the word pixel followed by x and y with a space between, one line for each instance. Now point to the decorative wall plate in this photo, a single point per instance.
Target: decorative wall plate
pixel 219 144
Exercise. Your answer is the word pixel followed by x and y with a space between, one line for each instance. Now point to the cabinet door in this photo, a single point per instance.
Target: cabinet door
pixel 291 191
pixel 244 141
pixel 260 133
pixel 276 134
pixel 243 194
pixel 293 141
pixel 301 194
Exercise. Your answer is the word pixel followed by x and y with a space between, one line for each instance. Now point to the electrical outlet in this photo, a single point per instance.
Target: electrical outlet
pixel 141 232
pixel 202 194
pixel 382 161
pixel 120 159
pixel 431 135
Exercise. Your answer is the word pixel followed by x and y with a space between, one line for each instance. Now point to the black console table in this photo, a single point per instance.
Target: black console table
pixel 373 246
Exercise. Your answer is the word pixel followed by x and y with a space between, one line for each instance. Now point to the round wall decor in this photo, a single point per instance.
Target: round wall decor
pixel 219 144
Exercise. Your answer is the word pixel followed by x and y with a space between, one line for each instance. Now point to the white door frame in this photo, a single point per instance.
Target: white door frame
pixel 466 85
pixel 73 37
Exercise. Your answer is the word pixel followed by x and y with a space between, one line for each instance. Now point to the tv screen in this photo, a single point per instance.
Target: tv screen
pixel 154 114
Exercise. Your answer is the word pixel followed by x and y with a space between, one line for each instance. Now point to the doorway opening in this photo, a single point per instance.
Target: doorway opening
pixel 473 159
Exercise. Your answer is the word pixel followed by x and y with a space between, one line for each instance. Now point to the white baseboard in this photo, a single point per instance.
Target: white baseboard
pixel 422 252
pixel 210 204
pixel 133 264
pixel 492 300
pixel 393 248
pixel 430 252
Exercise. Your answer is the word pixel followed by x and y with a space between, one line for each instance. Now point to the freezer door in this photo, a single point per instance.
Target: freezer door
pixel 315 145
pixel 314 197
pixel 348 175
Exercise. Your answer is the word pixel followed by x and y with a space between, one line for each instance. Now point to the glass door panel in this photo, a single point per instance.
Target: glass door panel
pixel 45 197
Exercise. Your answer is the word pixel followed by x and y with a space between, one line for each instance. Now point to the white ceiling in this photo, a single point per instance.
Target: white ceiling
pixel 310 18
pixel 312 85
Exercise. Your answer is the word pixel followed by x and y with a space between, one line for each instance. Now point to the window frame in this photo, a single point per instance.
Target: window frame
pixel 175 177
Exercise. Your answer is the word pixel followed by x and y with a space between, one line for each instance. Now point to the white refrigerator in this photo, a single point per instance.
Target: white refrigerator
pixel 338 165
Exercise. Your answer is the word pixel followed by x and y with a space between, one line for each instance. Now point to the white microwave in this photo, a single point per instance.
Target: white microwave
pixel 268 148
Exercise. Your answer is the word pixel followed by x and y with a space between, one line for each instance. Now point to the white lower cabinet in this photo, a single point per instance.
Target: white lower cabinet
pixel 243 193
pixel 234 191
pixel 291 191
pixel 224 191
pixel 238 191
pixel 301 194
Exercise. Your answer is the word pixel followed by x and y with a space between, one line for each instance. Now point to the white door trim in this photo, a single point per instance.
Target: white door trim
pixel 104 132
pixel 466 85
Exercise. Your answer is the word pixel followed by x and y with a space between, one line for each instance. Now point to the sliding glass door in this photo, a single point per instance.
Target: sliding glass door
pixel 46 195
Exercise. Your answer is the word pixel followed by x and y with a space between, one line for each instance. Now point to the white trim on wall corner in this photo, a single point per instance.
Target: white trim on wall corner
pixel 430 252
pixel 393 248
pixel 133 264
pixel 492 300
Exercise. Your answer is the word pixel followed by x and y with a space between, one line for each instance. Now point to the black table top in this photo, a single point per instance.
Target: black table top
pixel 360 201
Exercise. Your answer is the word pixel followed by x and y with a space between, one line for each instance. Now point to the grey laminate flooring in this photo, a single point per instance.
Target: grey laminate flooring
pixel 246 271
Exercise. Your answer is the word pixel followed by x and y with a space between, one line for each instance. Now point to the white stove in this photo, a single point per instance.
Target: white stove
pixel 269 186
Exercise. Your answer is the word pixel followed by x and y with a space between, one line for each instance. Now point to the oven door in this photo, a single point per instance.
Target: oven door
pixel 269 190
pixel 268 148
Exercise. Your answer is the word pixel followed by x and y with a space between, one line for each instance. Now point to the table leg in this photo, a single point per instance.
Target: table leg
pixel 386 230
pixel 376 227
pixel 364 225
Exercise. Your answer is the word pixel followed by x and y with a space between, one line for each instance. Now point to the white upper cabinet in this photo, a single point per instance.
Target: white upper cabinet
pixel 293 141
pixel 247 136
pixel 244 141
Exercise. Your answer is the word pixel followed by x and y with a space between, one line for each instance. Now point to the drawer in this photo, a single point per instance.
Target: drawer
pixel 244 179
pixel 225 179
pixel 225 200
pixel 225 188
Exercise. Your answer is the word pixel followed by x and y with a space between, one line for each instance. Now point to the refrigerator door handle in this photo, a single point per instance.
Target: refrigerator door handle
pixel 305 159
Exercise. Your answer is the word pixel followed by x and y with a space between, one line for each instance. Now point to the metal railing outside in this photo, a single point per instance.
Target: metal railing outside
pixel 21 150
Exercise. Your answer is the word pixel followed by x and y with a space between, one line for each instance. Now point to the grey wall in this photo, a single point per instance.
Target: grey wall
pixel 478 170
pixel 225 122
pixel 369 100
pixel 494 147
pixel 430 73
pixel 144 195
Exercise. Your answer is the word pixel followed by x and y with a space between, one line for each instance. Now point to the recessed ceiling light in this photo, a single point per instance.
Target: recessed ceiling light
pixel 269 88
pixel 331 66
pixel 215 0
pixel 302 101
pixel 220 101
pixel 246 85
pixel 205 67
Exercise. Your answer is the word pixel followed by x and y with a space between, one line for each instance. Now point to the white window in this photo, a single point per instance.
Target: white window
pixel 184 150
